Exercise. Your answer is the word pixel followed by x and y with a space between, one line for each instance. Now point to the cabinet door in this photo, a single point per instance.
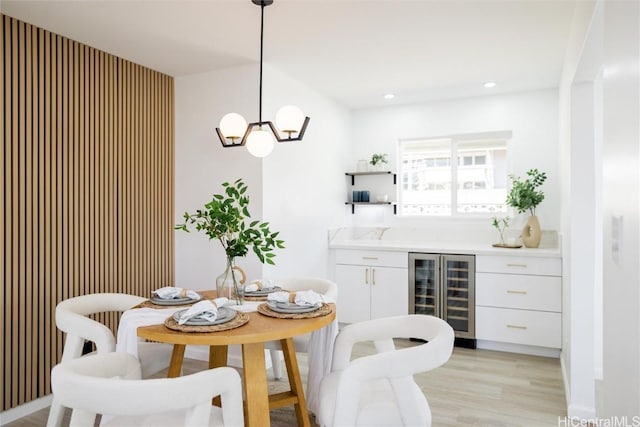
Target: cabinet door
pixel 353 293
pixel 389 292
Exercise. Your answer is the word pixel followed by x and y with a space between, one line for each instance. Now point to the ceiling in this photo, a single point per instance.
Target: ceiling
pixel 353 51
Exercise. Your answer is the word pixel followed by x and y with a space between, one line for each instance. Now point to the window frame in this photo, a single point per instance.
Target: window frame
pixel 455 141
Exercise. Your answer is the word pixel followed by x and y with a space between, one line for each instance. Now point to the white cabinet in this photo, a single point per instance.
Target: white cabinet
pixel 519 300
pixel 371 284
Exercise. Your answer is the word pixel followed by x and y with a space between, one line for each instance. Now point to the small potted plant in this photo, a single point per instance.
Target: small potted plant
pixel 525 197
pixel 377 161
pixel 224 218
pixel 501 225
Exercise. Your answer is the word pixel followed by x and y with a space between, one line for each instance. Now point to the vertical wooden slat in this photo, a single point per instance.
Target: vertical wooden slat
pixel 63 188
pixel 111 135
pixel 5 113
pixel 19 222
pixel 100 163
pixel 90 231
pixel 75 179
pixel 30 126
pixel 87 191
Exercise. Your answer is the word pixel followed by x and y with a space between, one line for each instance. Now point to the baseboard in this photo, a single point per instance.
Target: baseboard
pixel 583 413
pixel 565 381
pixel 25 409
pixel 518 348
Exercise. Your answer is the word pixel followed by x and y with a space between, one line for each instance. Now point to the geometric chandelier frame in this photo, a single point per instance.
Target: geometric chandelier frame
pixel 294 127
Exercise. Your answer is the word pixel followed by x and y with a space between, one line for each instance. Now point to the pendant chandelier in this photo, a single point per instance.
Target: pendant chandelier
pixel 258 136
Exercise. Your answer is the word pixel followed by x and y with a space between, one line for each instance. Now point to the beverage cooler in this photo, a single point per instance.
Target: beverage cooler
pixel 444 286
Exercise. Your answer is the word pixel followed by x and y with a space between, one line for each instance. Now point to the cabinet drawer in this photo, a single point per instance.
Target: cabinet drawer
pixel 526 327
pixel 529 292
pixel 519 265
pixel 373 258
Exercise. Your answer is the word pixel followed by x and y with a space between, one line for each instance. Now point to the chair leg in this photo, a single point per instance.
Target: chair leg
pixel 276 363
pixel 56 413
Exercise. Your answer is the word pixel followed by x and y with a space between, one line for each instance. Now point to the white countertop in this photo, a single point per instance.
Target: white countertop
pixel 372 239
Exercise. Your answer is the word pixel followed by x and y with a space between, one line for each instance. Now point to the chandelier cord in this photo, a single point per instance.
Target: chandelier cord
pixel 261 44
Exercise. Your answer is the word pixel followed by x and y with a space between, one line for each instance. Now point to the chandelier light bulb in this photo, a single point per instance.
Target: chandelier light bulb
pixel 289 119
pixel 233 126
pixel 260 143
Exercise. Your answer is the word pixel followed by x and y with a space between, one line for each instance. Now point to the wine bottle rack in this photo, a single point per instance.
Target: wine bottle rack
pixel 444 286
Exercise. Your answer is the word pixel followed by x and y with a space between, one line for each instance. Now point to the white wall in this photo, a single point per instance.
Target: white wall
pixel 531 116
pixel 621 189
pixel 304 181
pixel 605 114
pixel 202 165
pixel 296 189
pixel 579 195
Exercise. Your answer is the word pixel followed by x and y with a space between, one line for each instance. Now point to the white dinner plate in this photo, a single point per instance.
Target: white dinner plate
pixel 287 307
pixel 262 292
pixel 224 315
pixel 172 301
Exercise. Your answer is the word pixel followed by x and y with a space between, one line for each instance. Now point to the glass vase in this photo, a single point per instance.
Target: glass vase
pixel 230 284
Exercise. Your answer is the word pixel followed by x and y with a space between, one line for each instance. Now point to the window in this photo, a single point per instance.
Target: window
pixel 462 175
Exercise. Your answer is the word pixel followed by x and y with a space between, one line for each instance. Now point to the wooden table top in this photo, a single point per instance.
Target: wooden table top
pixel 260 328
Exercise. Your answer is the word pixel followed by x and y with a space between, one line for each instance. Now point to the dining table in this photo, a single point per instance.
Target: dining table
pixel 252 336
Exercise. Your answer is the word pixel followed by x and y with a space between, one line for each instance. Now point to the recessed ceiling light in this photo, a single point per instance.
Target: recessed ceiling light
pixel 389 96
pixel 490 84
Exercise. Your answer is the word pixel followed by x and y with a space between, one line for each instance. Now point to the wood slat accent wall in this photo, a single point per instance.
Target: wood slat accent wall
pixel 87 192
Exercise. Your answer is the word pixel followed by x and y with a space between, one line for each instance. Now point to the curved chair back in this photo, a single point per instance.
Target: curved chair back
pixel 71 317
pixel 390 369
pixel 110 384
pixel 321 286
pixel 301 342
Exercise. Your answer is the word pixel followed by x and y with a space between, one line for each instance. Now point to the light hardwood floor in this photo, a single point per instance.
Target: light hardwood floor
pixel 475 388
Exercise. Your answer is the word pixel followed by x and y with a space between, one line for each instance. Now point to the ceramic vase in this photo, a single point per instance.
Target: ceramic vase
pixel 531 232
pixel 230 284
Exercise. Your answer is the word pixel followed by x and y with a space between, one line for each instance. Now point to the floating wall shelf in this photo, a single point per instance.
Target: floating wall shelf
pixel 354 174
pixel 354 204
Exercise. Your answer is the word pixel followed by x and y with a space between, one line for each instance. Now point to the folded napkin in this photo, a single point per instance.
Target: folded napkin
pixel 170 292
pixel 260 285
pixel 302 298
pixel 205 310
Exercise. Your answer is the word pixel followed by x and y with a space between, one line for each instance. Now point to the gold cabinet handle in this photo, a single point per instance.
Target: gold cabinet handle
pixel 375 258
pixel 517 292
pixel 516 327
pixel 373 276
pixel 366 276
pixel 517 265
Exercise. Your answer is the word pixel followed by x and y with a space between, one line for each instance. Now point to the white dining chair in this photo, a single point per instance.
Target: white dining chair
pixel 379 389
pixel 110 385
pixel 324 287
pixel 72 318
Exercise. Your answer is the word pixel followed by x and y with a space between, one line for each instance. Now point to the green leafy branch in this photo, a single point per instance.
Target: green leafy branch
pixel 501 224
pixel 225 217
pixel 524 195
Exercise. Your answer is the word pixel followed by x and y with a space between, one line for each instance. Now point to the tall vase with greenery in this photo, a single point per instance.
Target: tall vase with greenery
pixel 226 218
pixel 525 197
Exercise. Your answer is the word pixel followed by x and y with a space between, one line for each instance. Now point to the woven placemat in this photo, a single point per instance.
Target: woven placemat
pixel 239 320
pixel 322 311
pixel 149 304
